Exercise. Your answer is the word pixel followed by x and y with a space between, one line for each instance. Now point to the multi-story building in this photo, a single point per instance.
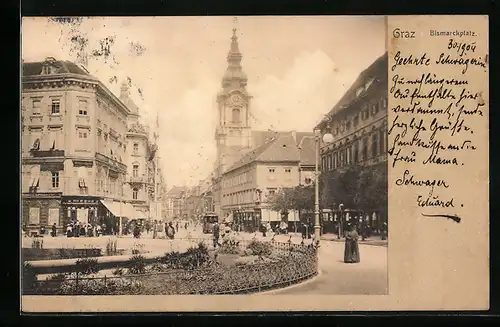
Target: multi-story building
pixel 235 138
pixel 176 202
pixel 137 158
pixel 284 161
pixel 358 123
pixel 73 147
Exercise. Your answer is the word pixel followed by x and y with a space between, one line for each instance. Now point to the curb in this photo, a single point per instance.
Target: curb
pixel 276 290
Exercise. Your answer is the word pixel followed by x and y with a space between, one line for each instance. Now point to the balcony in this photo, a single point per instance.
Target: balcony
pixel 36 119
pixel 47 153
pixel 137 180
pixel 111 163
pixel 82 120
pixel 55 119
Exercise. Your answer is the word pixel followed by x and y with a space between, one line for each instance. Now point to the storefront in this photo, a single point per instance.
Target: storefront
pixel 41 210
pixel 84 209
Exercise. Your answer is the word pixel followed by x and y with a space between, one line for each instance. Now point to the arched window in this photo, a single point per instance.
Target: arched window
pixel 236 115
pixel 135 170
pixel 135 193
pixel 136 148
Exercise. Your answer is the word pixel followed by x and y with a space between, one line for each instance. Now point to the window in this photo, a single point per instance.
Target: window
pixel 348 125
pixel 355 120
pixel 82 134
pixel 55 179
pixel 136 148
pixel 364 114
pixel 82 108
pixel 365 149
pixel 374 145
pixel 375 108
pixel 135 170
pixel 382 141
pixel 272 170
pixel 383 103
pixel 135 193
pixel 56 107
pixel 288 170
pixel 36 107
pixel 236 115
pixel 355 152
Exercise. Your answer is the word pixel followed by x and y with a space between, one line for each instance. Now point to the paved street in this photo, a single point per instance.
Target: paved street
pixel 367 277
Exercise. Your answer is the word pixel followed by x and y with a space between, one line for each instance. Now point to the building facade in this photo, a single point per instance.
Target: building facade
pixel 248 185
pixel 358 123
pixel 176 199
pixel 73 145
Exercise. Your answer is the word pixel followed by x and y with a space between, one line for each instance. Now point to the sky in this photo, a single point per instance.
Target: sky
pixel 297 68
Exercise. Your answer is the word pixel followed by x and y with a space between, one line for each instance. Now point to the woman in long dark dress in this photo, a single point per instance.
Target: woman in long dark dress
pixel 351 252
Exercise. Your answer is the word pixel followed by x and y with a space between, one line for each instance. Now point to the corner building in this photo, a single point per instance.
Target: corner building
pixel 73 146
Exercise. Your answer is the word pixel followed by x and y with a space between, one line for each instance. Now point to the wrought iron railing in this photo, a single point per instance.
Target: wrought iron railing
pixel 284 264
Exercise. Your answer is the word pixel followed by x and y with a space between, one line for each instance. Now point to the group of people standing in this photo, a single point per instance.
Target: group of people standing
pixel 77 229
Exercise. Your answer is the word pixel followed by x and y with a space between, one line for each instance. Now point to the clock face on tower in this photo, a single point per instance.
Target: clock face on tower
pixel 236 99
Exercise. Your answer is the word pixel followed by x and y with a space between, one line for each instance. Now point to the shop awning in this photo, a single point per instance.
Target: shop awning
pixel 132 213
pixel 114 207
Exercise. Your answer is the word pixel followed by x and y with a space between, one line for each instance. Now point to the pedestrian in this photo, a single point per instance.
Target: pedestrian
pixel 54 230
pixel 216 233
pixel 384 231
pixel 186 226
pixel 155 230
pixel 137 231
pixel 177 226
pixel 351 250
pixel 304 230
pixel 170 231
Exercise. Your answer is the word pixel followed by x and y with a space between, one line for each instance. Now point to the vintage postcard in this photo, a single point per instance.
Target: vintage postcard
pixel 254 163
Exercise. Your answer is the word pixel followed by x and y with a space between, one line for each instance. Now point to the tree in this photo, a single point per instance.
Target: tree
pixel 282 201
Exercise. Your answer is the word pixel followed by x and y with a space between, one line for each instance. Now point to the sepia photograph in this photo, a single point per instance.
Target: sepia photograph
pixel 213 155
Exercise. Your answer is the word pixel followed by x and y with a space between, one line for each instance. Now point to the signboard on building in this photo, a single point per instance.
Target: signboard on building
pixel 34 217
pixel 53 216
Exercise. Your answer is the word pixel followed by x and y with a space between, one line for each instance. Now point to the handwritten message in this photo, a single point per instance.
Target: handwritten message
pixel 435 110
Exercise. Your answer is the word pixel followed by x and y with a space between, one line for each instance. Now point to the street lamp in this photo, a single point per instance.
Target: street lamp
pixel 327 138
pixel 341 219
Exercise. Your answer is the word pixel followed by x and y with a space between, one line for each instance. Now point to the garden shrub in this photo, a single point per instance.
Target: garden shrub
pixel 259 248
pixel 100 286
pixel 194 257
pixel 137 265
pixel 119 272
pixel 29 278
pixel 87 266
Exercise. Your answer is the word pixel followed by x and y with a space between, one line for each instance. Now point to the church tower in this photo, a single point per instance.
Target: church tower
pixel 233 133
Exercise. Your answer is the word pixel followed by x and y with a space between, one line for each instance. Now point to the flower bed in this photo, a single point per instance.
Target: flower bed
pixel 274 265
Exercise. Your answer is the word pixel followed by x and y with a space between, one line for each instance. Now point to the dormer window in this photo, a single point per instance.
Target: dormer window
pixel 359 91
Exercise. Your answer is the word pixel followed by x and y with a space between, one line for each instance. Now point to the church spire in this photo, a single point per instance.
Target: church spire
pixel 234 73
